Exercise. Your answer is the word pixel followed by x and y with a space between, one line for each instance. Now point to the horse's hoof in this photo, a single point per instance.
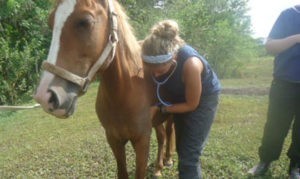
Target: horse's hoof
pixel 168 163
pixel 157 174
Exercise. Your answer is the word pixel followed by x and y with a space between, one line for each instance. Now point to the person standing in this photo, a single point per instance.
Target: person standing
pixel 284 97
pixel 192 92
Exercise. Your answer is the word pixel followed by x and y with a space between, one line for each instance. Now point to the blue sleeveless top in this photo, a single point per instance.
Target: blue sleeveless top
pixel 287 63
pixel 174 88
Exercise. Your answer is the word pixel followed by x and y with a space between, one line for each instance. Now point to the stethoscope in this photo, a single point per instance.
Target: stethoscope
pixel 159 83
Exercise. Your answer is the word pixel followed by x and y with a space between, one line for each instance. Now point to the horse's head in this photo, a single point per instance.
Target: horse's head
pixel 83 41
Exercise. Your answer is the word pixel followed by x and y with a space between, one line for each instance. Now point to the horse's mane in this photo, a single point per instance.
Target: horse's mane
pixel 131 47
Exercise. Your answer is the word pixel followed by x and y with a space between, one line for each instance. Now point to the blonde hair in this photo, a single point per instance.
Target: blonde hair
pixel 163 39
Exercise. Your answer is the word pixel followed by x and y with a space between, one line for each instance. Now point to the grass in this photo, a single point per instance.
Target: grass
pixel 34 144
pixel 257 73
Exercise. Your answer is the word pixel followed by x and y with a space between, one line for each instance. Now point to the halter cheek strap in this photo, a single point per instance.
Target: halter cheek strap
pixel 102 63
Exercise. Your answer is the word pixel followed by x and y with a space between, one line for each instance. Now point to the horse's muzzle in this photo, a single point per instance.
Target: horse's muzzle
pixel 59 98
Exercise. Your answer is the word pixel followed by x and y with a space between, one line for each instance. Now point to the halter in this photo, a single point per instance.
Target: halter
pixel 102 63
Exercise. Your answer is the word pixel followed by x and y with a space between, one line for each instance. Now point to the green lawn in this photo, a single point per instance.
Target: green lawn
pixel 256 73
pixel 35 145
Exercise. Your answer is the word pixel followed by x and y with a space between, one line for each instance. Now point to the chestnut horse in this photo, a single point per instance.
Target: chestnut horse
pixel 93 38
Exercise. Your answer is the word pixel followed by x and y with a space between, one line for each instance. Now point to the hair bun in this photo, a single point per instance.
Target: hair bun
pixel 167 29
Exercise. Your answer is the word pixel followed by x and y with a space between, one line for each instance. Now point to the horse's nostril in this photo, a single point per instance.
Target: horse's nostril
pixel 53 100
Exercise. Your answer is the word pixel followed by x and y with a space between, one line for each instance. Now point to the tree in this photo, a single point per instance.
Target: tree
pixel 219 29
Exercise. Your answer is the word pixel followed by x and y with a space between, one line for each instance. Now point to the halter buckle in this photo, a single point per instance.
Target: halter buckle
pixel 86 85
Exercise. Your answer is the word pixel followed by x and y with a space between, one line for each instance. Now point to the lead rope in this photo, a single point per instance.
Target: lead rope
pixel 158 84
pixel 16 108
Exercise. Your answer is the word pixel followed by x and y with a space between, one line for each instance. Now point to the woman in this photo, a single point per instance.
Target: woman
pixel 190 87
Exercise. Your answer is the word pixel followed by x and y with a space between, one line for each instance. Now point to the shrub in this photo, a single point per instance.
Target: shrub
pixel 23 36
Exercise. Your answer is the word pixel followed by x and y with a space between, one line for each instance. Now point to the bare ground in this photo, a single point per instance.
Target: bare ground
pixel 252 91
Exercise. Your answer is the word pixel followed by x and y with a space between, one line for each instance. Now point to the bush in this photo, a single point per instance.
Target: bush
pixel 23 36
pixel 218 29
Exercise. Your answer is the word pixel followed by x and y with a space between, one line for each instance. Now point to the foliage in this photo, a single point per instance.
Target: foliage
pixel 142 15
pixel 219 29
pixel 260 48
pixel 23 38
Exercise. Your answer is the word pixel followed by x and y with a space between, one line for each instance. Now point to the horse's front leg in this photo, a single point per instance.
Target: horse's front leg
pixel 170 141
pixel 141 147
pixel 118 148
pixel 161 138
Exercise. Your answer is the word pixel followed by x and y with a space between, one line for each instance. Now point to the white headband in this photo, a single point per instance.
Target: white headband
pixel 158 59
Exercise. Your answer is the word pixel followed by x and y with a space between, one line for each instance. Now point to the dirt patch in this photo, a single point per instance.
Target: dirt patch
pixel 252 91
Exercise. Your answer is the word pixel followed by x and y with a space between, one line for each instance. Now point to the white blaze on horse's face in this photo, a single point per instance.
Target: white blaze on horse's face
pixel 42 96
pixel 64 10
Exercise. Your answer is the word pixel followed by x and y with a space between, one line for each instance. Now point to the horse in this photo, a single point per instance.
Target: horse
pixel 92 38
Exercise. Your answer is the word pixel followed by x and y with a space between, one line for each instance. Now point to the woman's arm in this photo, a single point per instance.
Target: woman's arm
pixel 276 46
pixel 192 70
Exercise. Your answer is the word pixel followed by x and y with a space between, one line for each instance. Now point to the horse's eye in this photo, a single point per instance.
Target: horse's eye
pixel 85 23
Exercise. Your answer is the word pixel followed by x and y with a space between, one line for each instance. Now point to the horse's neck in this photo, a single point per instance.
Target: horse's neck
pixel 122 74
pixel 115 79
pixel 121 77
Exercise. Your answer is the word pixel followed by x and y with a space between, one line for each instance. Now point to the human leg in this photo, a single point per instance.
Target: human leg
pixel 279 118
pixel 294 150
pixel 192 131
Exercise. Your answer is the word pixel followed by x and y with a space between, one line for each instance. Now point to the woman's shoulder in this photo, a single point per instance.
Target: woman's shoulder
pixel 187 51
pixel 185 48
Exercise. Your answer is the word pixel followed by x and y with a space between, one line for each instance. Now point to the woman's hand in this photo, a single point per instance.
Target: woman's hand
pixel 157 116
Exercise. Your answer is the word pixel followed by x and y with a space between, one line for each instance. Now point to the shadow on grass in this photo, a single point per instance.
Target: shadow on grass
pixel 268 175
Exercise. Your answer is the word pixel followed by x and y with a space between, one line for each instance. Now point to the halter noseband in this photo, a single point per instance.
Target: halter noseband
pixel 103 62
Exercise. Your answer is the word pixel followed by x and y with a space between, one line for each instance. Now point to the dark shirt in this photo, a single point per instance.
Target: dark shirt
pixel 287 63
pixel 174 88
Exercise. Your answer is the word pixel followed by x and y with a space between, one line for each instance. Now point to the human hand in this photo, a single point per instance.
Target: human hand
pixel 158 116
pixel 163 107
